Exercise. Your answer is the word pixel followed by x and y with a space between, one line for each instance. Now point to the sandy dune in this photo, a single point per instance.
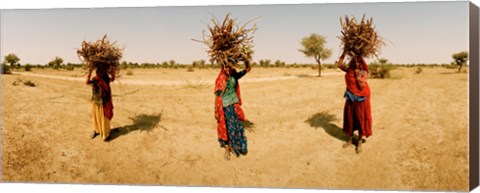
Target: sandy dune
pixel 165 133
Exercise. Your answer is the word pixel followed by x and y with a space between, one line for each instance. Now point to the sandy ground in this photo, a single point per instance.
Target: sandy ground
pixel 165 132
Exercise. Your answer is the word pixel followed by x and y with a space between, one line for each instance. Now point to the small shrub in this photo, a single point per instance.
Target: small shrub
pixel 380 71
pixel 129 72
pixel 25 82
pixel 29 83
pixel 70 68
pixel 17 82
pixel 6 69
pixel 419 70
pixel 28 67
pixel 190 69
pixel 451 66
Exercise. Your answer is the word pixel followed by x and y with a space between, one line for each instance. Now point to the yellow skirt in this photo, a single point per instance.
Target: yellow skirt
pixel 101 124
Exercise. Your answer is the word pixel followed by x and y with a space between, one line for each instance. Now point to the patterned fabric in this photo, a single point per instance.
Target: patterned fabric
pixel 101 94
pixel 236 132
pixel 220 86
pixel 229 97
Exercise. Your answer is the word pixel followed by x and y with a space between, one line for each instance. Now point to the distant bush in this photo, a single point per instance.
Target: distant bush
pixel 129 72
pixel 28 67
pixel 190 69
pixel 6 69
pixel 70 68
pixel 451 66
pixel 419 70
pixel 329 66
pixel 380 71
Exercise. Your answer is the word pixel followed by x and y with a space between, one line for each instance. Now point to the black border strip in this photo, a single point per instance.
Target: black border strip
pixel 474 96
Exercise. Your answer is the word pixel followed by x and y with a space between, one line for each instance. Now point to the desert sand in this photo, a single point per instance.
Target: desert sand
pixel 165 131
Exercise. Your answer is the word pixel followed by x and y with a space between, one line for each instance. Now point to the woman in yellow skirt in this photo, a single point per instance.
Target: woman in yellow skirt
pixel 102 102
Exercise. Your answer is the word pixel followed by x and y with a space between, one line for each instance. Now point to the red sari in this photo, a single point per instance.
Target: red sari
pixel 357 115
pixel 221 85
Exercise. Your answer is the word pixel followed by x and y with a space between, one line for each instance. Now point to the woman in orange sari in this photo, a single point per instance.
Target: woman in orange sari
pixel 228 113
pixel 102 102
pixel 357 109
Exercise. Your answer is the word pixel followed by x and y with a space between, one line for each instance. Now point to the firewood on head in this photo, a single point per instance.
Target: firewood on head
pixel 101 54
pixel 229 44
pixel 360 38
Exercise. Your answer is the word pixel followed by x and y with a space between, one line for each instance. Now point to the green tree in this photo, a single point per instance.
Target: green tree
pixel 261 62
pixel 56 62
pixel 460 59
pixel 382 61
pixel 12 59
pixel 314 46
pixel 124 65
pixel 202 63
pixel 279 63
pixel 212 63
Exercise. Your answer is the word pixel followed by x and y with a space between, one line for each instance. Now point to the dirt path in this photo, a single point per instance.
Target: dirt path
pixel 177 82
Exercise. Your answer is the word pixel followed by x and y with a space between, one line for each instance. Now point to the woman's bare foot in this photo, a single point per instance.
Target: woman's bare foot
pixel 359 146
pixel 348 143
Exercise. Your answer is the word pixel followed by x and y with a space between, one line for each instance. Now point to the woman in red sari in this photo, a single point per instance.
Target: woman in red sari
pixel 102 102
pixel 228 113
pixel 357 109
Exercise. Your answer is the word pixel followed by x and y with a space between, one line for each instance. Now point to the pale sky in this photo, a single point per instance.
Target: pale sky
pixel 416 32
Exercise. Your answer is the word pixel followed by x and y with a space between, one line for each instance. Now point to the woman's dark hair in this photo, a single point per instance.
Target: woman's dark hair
pixel 103 73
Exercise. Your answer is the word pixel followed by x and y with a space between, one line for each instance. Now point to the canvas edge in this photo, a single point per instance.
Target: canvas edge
pixel 1 103
pixel 474 96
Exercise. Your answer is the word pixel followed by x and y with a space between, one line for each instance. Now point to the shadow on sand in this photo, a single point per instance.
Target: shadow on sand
pixel 450 73
pixel 324 120
pixel 248 126
pixel 306 76
pixel 141 122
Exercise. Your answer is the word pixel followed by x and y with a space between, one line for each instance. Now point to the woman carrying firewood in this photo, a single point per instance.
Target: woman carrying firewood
pixel 103 57
pixel 102 101
pixel 359 40
pixel 229 46
pixel 228 112
pixel 357 109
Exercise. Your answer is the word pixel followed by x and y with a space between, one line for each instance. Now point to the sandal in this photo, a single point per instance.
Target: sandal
pixel 94 134
pixel 227 153
pixel 359 147
pixel 347 144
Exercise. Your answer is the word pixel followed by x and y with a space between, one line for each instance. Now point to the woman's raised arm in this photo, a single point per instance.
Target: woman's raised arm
pixel 89 75
pixel 340 62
